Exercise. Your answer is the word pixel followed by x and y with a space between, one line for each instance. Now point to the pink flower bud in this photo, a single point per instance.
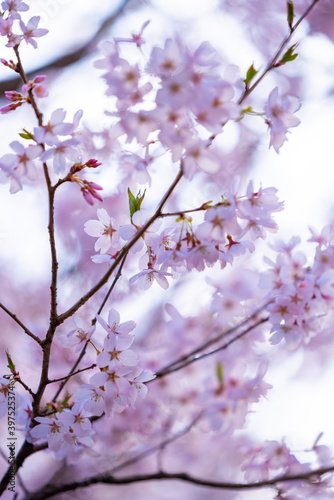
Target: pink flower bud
pixel 92 163
pixel 12 95
pixel 39 78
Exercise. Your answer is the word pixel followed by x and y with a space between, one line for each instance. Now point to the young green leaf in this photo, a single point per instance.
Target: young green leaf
pixel 135 202
pixel 288 56
pixel 290 13
pixel 220 372
pixel 26 135
pixel 251 72
pixel 10 365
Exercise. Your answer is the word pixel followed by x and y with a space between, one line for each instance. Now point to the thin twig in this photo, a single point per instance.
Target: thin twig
pixel 72 374
pixel 24 328
pixel 182 212
pixel 214 340
pixel 118 275
pixel 174 367
pixel 272 63
pixel 26 387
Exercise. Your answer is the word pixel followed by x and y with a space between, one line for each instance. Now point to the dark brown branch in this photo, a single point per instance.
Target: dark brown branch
pixel 162 476
pixel 72 57
pixel 54 261
pixel 19 381
pixel 24 328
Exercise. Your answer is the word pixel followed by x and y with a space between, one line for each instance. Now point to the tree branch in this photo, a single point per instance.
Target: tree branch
pixel 24 328
pixel 72 374
pixel 182 476
pixel 193 356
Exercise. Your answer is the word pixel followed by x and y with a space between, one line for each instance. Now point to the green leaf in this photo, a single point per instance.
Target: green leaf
pixel 290 13
pixel 251 72
pixel 26 135
pixel 10 365
pixel 135 202
pixel 288 56
pixel 220 372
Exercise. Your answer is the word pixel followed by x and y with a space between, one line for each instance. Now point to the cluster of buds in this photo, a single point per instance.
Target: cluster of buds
pixel 77 167
pixel 17 98
pixel 89 189
pixel 10 64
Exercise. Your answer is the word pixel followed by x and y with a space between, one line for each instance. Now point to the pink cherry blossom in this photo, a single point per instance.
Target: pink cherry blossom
pixel 56 126
pixel 63 154
pixel 146 277
pixel 279 112
pixel 116 347
pixel 78 337
pixel 106 228
pixel 30 31
pixel 114 326
pixel 136 38
pixel 14 7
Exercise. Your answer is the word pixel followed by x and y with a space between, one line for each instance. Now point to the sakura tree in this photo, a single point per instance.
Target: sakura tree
pixel 92 400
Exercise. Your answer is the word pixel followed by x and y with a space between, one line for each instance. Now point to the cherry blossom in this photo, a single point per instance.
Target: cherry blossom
pixel 14 7
pixel 106 228
pixel 116 347
pixel 79 336
pixel 114 326
pixel 279 112
pixel 48 134
pixel 30 31
pixel 136 38
pixel 146 277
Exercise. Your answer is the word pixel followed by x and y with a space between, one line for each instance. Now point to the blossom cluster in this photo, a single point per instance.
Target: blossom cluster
pixel 115 387
pixel 175 249
pixel 188 96
pixel 28 32
pixel 301 294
